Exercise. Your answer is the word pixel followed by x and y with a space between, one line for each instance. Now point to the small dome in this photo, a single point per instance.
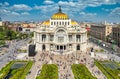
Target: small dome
pixel 47 23
pixel 74 22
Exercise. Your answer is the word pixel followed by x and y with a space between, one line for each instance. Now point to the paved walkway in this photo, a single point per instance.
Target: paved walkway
pixel 64 66
pixel 64 63
pixel 94 69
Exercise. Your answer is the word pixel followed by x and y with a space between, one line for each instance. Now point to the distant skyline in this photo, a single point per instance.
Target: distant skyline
pixel 79 10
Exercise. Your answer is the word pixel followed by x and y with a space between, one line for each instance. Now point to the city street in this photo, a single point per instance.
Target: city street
pixel 105 45
pixel 12 51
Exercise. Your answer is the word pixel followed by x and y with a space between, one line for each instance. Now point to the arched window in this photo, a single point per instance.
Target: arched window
pixel 61 36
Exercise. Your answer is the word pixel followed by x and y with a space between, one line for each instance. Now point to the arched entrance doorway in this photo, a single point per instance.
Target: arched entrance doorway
pixel 43 47
pixel 61 39
pixel 78 47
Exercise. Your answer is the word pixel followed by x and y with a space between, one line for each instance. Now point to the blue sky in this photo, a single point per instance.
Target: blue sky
pixel 79 10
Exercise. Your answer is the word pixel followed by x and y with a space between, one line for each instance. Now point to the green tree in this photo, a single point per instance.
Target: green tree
pixel 2 36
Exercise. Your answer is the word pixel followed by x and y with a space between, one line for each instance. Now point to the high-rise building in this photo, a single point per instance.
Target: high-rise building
pixel 101 31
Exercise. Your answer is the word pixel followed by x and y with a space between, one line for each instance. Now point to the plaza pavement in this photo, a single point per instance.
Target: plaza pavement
pixel 64 63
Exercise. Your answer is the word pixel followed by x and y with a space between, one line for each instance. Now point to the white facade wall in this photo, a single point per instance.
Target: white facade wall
pixel 39 43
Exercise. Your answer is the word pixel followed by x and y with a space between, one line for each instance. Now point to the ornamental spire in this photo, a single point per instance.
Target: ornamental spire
pixel 60 11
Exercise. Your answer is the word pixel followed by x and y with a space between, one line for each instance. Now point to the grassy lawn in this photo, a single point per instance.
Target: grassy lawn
pixel 49 71
pixel 110 69
pixel 81 72
pixel 16 70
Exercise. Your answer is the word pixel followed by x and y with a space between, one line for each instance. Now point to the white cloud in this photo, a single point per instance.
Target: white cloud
pixel 4 12
pixel 65 3
pixel 48 2
pixel 107 10
pixel 21 7
pixel 82 13
pixel 73 8
pixel 47 8
pixel 40 7
pixel 87 14
pixel 25 13
pixel 115 12
pixel 6 3
pixel 15 13
pixel 91 14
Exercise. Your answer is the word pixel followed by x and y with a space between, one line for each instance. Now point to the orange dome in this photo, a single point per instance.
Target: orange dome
pixel 60 16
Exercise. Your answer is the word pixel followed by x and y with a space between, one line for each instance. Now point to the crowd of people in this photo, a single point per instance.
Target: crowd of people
pixel 64 62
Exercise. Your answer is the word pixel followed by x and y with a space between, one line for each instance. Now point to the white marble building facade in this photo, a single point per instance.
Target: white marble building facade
pixel 60 34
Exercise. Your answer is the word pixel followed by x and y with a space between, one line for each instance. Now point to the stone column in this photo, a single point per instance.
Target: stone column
pixel 46 38
pixel 54 40
pixel 74 47
pixel 34 39
pixel 47 47
pixel 40 38
pixel 37 37
pixel 75 38
pixel 81 38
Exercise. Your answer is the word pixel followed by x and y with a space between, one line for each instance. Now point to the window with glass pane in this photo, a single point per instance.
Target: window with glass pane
pixel 78 38
pixel 70 38
pixel 51 37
